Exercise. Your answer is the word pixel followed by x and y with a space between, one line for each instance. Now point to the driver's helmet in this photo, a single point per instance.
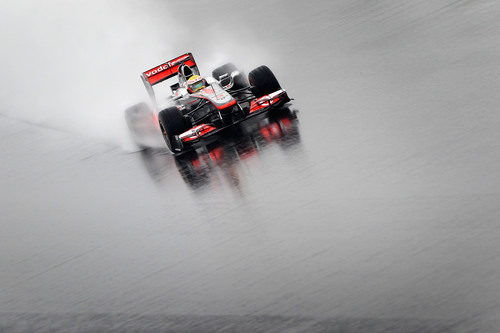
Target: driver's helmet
pixel 195 83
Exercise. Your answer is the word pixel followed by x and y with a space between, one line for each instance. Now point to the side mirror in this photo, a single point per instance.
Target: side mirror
pixel 179 93
pixel 227 80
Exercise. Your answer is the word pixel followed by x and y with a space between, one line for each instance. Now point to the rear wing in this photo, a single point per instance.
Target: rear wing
pixel 166 71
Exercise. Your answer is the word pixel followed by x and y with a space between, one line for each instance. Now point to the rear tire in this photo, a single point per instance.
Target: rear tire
pixel 172 123
pixel 263 81
pixel 136 116
pixel 240 81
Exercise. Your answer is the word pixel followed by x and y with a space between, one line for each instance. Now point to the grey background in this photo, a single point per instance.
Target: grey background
pixel 377 210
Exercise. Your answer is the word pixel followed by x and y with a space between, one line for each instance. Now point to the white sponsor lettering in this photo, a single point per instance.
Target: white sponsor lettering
pixel 166 66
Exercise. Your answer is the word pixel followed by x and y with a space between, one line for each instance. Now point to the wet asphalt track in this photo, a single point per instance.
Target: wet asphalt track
pixel 374 207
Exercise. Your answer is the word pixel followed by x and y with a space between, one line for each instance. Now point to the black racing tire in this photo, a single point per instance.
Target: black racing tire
pixel 263 81
pixel 240 81
pixel 137 110
pixel 172 123
pixel 135 116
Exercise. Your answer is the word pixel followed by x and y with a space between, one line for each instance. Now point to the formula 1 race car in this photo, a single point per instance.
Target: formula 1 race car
pixel 198 107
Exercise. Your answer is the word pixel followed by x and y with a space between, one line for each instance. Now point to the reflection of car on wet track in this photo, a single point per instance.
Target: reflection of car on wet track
pixel 196 107
pixel 241 144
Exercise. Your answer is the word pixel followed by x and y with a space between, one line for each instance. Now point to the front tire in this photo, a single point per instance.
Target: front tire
pixel 263 81
pixel 172 123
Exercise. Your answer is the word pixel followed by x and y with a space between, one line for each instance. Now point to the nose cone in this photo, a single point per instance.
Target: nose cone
pixel 216 95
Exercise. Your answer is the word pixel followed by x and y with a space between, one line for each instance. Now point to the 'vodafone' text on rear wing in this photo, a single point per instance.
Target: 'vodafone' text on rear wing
pixel 165 71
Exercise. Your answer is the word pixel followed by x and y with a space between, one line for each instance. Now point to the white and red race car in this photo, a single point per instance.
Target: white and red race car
pixel 225 99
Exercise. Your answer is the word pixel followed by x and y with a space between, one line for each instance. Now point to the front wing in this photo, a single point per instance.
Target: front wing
pixel 257 106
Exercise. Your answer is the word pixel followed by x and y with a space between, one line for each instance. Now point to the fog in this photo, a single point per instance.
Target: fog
pixel 75 65
pixel 371 206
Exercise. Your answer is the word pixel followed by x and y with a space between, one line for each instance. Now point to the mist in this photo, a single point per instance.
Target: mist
pixel 75 65
pixel 371 206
